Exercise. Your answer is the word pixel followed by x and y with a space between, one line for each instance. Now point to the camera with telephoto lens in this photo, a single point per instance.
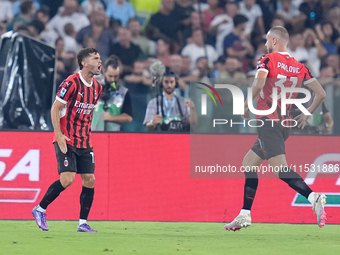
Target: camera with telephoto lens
pixel 106 95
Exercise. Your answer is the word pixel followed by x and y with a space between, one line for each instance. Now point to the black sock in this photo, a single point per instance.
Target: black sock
pixel 295 181
pixel 250 187
pixel 86 198
pixel 51 194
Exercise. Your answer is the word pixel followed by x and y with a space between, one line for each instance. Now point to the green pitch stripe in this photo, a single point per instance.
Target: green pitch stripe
pixel 331 200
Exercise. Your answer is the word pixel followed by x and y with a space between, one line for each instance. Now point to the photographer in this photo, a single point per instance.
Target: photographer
pixel 168 112
pixel 114 106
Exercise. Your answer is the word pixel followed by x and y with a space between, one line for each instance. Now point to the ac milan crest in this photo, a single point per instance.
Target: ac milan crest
pixel 66 162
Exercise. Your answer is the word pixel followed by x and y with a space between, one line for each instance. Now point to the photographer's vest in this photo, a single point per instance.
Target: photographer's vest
pixel 171 121
pixel 115 104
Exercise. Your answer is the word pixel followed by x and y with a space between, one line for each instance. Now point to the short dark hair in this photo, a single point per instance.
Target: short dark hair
pixel 44 10
pixel 26 6
pixel 239 19
pixel 282 33
pixel 58 39
pixel 85 53
pixel 69 29
pixel 133 19
pixel 112 61
pixel 38 25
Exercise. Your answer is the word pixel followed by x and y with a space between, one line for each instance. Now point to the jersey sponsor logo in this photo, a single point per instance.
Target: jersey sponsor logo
pixel 81 94
pixel 291 69
pixel 83 107
pixel 29 166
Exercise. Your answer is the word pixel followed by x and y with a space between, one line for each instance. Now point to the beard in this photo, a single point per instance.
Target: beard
pixel 270 49
pixel 169 91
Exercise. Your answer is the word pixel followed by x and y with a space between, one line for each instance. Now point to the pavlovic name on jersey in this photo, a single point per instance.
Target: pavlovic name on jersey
pixel 291 69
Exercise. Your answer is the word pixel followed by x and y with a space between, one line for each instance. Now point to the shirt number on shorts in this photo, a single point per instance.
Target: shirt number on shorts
pixel 92 154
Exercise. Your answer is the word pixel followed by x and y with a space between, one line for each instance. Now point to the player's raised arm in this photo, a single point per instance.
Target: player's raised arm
pixel 320 96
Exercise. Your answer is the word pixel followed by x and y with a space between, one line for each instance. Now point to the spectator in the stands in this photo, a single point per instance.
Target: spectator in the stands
pixel 137 75
pixel 144 9
pixel 296 47
pixel 315 51
pixel 253 12
pixel 53 6
pixel 208 15
pixel 176 64
pixel 25 17
pixel 6 14
pixel 233 73
pixel 333 61
pixel 121 10
pixel 183 9
pixel 334 18
pixel 147 46
pixel 23 30
pixel 163 51
pixel 102 35
pixel 291 16
pixel 70 43
pixel 186 65
pixel 49 36
pixel 268 8
pixel 2 28
pixel 329 36
pixel 197 49
pixel 35 27
pixel 277 22
pixel 88 6
pixel 202 69
pixel 327 5
pixel 211 13
pixel 223 24
pixel 65 63
pixel 219 67
pixel 236 44
pixel 15 5
pixel 194 24
pixel 125 50
pixel 313 11
pixel 139 89
pixel 164 24
pixel 89 42
pixel 68 15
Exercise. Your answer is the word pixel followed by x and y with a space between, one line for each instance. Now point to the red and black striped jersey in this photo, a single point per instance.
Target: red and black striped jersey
pixel 283 71
pixel 79 98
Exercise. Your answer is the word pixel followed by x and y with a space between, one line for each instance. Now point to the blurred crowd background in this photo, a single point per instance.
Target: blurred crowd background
pixel 197 40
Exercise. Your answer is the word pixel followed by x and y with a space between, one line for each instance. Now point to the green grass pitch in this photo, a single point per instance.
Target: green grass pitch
pixel 126 237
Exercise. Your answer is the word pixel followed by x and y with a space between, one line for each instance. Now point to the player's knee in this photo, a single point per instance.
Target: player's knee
pixel 66 180
pixel 89 180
